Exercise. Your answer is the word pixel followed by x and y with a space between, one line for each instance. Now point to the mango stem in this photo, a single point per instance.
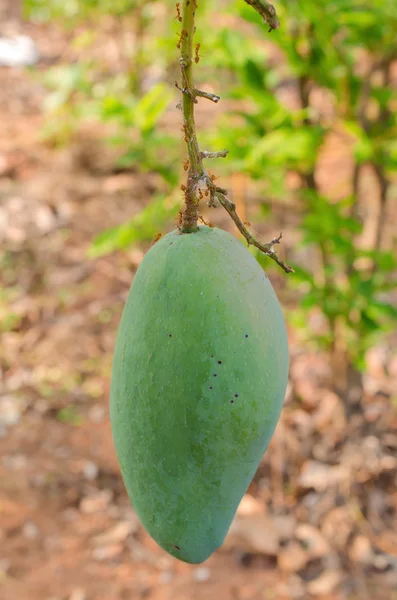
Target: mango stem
pixel 197 177
pixel 196 171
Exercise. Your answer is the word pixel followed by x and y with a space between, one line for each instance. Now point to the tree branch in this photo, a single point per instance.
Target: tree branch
pixel 221 154
pixel 379 169
pixel 208 95
pixel 267 249
pixel 220 194
pixel 267 12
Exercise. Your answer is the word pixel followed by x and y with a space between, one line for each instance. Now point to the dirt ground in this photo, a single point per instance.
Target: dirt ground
pixel 319 520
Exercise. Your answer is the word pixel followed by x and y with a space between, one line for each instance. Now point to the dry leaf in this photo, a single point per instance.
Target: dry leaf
pixel 12 514
pixel 78 594
pixel 325 584
pixel 107 552
pixel 337 526
pixel 387 542
pixel 96 502
pixel 255 534
pixel 315 367
pixel 201 574
pixel 330 413
pixel 303 421
pixel 361 550
pixel 250 505
pixel 286 525
pixel 313 540
pixel 115 534
pixel 320 476
pixel 292 558
pixel 308 393
pixel 11 409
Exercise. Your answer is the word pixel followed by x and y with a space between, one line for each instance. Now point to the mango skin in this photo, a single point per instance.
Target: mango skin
pixel 199 377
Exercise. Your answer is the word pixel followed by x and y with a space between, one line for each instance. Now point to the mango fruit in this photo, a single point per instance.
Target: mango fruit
pixel 199 376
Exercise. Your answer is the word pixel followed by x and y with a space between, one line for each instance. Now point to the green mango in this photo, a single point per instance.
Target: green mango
pixel 199 376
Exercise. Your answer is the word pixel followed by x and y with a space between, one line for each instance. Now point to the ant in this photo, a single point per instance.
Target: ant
pixel 214 177
pixel 185 137
pixel 183 34
pixel 178 12
pixel 156 239
pixel 186 165
pixel 208 223
pixel 179 219
pixel 197 57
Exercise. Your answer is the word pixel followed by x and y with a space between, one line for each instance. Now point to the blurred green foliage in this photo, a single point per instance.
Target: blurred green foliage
pixel 340 50
pixel 140 228
pixel 70 416
pixel 76 10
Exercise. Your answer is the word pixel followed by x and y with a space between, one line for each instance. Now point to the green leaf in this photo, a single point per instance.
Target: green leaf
pixel 359 18
pixel 287 146
pixel 252 75
pixel 309 300
pixel 382 309
pixel 303 275
pixel 385 261
pixel 114 108
pixel 370 324
pixel 69 415
pixel 152 106
pixel 363 150
pixel 143 227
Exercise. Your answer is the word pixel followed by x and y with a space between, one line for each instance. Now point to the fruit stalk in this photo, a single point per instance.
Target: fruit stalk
pixel 196 171
pixel 197 178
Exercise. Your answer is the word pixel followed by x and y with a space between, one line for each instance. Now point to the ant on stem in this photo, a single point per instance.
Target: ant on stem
pixel 197 57
pixel 178 12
